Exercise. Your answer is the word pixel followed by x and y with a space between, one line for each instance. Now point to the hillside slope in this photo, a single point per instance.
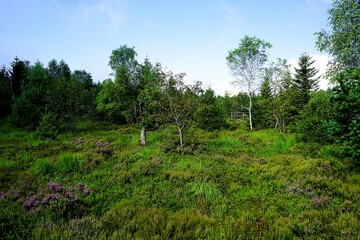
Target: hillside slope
pixel 101 183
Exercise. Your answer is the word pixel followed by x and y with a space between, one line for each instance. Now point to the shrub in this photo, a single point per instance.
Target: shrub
pixel 47 127
pixel 311 125
pixel 346 102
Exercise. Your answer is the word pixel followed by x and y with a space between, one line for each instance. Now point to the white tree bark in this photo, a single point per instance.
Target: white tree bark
pixel 250 112
pixel 181 140
pixel 143 136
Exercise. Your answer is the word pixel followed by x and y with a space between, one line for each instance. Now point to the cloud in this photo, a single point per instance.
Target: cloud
pixel 113 10
pixel 320 63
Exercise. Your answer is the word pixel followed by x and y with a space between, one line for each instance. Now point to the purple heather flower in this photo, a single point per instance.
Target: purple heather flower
pixel 33 201
pixel 16 195
pixel 55 186
pixel 47 198
pixel 33 211
pixel 68 194
pixel 80 185
pixel 2 195
pixel 86 191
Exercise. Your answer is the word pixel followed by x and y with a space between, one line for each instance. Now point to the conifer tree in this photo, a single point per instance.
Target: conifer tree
pixel 18 73
pixel 305 80
pixel 5 93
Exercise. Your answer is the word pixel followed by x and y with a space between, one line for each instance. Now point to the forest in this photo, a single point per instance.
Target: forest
pixel 143 155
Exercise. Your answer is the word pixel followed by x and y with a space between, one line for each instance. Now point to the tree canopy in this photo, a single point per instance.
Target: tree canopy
pixel 342 39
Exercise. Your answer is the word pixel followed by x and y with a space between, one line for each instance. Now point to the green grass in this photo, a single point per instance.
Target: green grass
pixel 69 162
pixel 230 185
pixel 7 165
pixel 44 166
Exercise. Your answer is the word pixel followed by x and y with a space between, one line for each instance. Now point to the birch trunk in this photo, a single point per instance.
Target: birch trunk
pixel 143 136
pixel 250 114
pixel 181 141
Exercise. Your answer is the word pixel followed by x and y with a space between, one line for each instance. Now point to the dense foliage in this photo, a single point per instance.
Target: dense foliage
pixel 346 100
pixel 341 40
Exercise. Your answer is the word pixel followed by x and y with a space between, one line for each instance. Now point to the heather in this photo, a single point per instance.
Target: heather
pixel 99 182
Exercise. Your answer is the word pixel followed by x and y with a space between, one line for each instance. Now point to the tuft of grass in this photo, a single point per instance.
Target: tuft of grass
pixel 44 167
pixel 7 165
pixel 280 145
pixel 154 138
pixel 330 151
pixel 69 162
pixel 24 157
pixel 206 191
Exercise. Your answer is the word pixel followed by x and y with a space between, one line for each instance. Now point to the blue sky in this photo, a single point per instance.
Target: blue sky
pixel 185 36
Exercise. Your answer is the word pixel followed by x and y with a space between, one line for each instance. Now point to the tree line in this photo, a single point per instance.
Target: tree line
pixel 53 99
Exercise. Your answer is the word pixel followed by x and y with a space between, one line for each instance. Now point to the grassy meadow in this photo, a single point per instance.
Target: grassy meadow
pixel 100 183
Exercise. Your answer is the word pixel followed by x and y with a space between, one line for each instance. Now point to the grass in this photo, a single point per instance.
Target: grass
pixel 100 183
pixel 44 166
pixel 69 162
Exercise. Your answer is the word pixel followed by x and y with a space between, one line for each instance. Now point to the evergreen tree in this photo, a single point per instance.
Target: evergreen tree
pixel 305 80
pixel 263 105
pixel 310 124
pixel 62 98
pixel 29 106
pixel 18 72
pixel 209 114
pixel 346 103
pixel 5 93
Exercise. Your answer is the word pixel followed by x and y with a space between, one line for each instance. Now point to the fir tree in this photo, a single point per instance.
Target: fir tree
pixel 305 80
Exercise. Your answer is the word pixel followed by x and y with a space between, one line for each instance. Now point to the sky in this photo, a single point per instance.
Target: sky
pixel 185 36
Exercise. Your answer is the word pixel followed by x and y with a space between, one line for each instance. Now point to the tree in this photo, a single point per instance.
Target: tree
pixel 30 105
pixel 277 94
pixel 311 124
pixel 246 64
pixel 108 102
pixel 5 93
pixel 305 80
pixel 209 114
pixel 123 98
pixel 342 40
pixel 175 102
pixel 63 96
pixel 18 73
pixel 346 103
pixel 263 104
pixel 58 71
pixel 86 93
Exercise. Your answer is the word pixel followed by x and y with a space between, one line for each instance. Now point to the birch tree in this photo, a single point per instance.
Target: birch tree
pixel 175 102
pixel 246 65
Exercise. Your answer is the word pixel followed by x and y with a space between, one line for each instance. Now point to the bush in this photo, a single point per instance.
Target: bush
pixel 346 102
pixel 311 125
pixel 47 127
pixel 237 125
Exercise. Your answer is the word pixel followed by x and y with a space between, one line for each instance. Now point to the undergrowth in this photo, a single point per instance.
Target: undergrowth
pixel 101 183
